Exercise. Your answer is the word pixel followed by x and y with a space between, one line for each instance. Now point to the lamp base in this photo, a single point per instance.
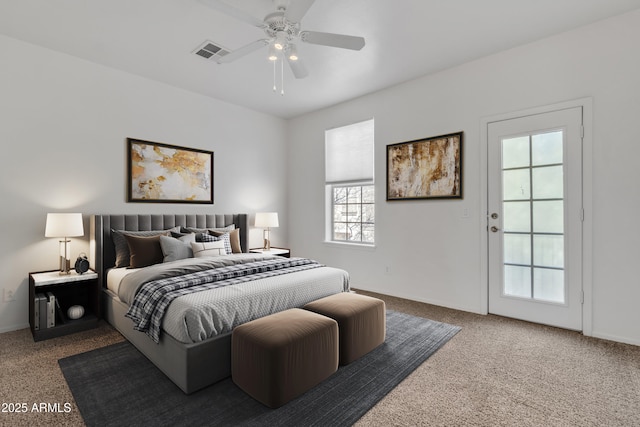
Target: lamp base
pixel 267 243
pixel 65 261
pixel 65 266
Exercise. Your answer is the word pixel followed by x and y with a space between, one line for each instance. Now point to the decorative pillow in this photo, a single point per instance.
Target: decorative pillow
pixel 234 239
pixel 226 229
pixel 227 242
pixel 144 250
pixel 205 249
pixel 178 234
pixel 174 249
pixel 122 248
pixel 205 237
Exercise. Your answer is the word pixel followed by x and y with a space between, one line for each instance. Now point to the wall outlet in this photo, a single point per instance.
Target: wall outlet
pixel 9 295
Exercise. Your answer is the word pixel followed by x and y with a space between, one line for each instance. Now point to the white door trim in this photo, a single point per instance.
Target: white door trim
pixel 587 200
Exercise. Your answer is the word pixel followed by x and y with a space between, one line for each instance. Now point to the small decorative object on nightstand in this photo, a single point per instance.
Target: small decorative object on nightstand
pixel 75 312
pixel 283 252
pixel 82 264
pixel 55 300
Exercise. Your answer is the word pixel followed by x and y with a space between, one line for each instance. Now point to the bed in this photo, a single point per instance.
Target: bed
pixel 200 355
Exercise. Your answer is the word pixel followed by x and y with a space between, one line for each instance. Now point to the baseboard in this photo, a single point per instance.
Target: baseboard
pixel 423 300
pixel 616 338
pixel 14 328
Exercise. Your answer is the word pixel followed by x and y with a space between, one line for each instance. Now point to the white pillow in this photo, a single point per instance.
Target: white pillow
pixel 204 249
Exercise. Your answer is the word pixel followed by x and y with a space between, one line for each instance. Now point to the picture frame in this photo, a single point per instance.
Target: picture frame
pixel 164 173
pixel 428 168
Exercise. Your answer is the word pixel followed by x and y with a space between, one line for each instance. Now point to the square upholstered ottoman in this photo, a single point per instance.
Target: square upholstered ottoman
pixel 361 322
pixel 277 358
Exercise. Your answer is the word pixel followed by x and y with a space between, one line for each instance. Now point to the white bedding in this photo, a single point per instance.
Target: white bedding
pixel 195 317
pixel 114 277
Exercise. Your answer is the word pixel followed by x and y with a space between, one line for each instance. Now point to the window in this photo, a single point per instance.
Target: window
pixel 350 185
pixel 353 213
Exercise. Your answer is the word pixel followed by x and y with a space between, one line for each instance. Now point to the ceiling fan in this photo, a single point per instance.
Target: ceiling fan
pixel 283 31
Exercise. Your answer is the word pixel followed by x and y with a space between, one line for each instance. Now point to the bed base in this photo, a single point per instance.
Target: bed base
pixel 190 366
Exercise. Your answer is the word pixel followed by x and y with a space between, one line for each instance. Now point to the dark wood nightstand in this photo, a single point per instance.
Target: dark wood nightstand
pixel 68 290
pixel 283 252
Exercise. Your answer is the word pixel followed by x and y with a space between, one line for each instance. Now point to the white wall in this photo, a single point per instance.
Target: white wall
pixel 63 129
pixel 432 253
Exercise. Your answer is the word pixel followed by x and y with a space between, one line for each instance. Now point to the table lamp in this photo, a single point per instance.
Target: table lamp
pixel 64 225
pixel 266 220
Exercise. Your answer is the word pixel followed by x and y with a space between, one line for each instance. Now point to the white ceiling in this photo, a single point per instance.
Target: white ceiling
pixel 405 39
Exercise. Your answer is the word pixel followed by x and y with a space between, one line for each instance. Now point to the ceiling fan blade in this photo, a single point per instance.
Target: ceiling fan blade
pixel 234 12
pixel 298 68
pixel 244 50
pixel 333 40
pixel 297 9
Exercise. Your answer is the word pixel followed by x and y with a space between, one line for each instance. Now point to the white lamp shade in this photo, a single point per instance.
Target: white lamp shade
pixel 273 53
pixel 267 219
pixel 293 52
pixel 64 225
pixel 281 40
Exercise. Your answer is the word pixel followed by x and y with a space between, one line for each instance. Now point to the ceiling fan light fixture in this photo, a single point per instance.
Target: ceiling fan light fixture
pixel 293 52
pixel 281 40
pixel 282 33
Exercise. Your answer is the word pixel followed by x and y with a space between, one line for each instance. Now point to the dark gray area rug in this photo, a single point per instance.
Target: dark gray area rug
pixel 117 385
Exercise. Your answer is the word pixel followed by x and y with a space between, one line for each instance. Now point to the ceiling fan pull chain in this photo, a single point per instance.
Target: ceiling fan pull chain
pixel 282 76
pixel 274 75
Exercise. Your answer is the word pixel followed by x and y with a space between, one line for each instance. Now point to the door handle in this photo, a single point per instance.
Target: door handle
pixel 494 228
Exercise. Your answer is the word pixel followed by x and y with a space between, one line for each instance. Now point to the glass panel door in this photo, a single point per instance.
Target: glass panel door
pixel 534 220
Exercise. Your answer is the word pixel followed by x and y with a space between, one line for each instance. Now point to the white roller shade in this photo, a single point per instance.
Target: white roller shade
pixel 349 153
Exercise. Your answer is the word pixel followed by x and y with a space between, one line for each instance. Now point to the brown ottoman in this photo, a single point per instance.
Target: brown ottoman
pixel 277 358
pixel 361 322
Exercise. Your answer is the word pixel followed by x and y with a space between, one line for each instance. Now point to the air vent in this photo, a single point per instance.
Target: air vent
pixel 210 50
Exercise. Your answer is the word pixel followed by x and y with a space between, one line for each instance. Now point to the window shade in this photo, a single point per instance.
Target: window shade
pixel 349 153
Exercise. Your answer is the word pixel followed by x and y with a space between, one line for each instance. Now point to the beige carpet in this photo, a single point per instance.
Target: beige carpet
pixel 495 372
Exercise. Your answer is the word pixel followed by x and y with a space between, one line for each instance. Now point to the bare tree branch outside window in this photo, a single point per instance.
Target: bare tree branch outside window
pixel 354 213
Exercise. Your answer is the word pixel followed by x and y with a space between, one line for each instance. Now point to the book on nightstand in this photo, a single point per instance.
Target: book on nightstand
pixel 40 321
pixel 51 310
pixel 36 312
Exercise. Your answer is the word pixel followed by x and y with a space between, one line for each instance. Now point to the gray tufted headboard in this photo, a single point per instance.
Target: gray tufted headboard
pixel 102 252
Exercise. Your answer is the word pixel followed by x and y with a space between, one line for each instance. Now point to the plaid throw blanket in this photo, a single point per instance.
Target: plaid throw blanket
pixel 154 297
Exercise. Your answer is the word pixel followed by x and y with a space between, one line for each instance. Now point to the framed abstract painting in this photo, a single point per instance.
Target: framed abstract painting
pixel 429 168
pixel 163 173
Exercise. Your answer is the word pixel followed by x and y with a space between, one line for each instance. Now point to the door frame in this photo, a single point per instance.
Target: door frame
pixel 587 201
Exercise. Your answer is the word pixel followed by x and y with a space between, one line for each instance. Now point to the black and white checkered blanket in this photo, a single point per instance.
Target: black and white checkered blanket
pixel 154 297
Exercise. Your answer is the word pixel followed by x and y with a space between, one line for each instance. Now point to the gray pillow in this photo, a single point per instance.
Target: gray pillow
pixel 174 249
pixel 122 247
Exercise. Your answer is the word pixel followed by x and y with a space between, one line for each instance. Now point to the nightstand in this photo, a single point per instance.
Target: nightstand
pixel 283 252
pixel 68 290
